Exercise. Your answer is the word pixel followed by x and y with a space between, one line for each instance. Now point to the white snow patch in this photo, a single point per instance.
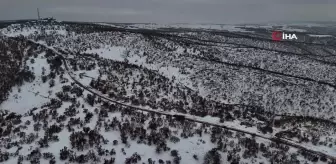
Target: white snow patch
pixel 319 36
pixel 28 95
pixel 293 29
pixel 36 93
pixel 114 53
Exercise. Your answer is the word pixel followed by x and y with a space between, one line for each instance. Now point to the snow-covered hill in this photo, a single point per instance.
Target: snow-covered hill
pixel 102 93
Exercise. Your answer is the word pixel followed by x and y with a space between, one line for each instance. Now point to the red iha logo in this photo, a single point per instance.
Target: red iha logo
pixel 276 35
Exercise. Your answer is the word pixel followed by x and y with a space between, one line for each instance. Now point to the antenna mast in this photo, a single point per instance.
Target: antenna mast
pixel 38 14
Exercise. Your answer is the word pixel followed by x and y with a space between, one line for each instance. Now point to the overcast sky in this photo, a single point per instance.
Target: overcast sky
pixel 172 11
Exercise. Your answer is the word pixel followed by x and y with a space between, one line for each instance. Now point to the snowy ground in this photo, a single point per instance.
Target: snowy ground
pixel 30 95
pixel 37 93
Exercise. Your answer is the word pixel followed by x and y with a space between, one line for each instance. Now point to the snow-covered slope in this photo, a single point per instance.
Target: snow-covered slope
pixel 96 93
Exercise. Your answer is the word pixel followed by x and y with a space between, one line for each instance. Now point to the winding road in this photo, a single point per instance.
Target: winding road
pixel 189 117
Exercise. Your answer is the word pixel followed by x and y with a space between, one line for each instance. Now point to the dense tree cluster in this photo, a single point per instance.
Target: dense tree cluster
pixel 80 140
